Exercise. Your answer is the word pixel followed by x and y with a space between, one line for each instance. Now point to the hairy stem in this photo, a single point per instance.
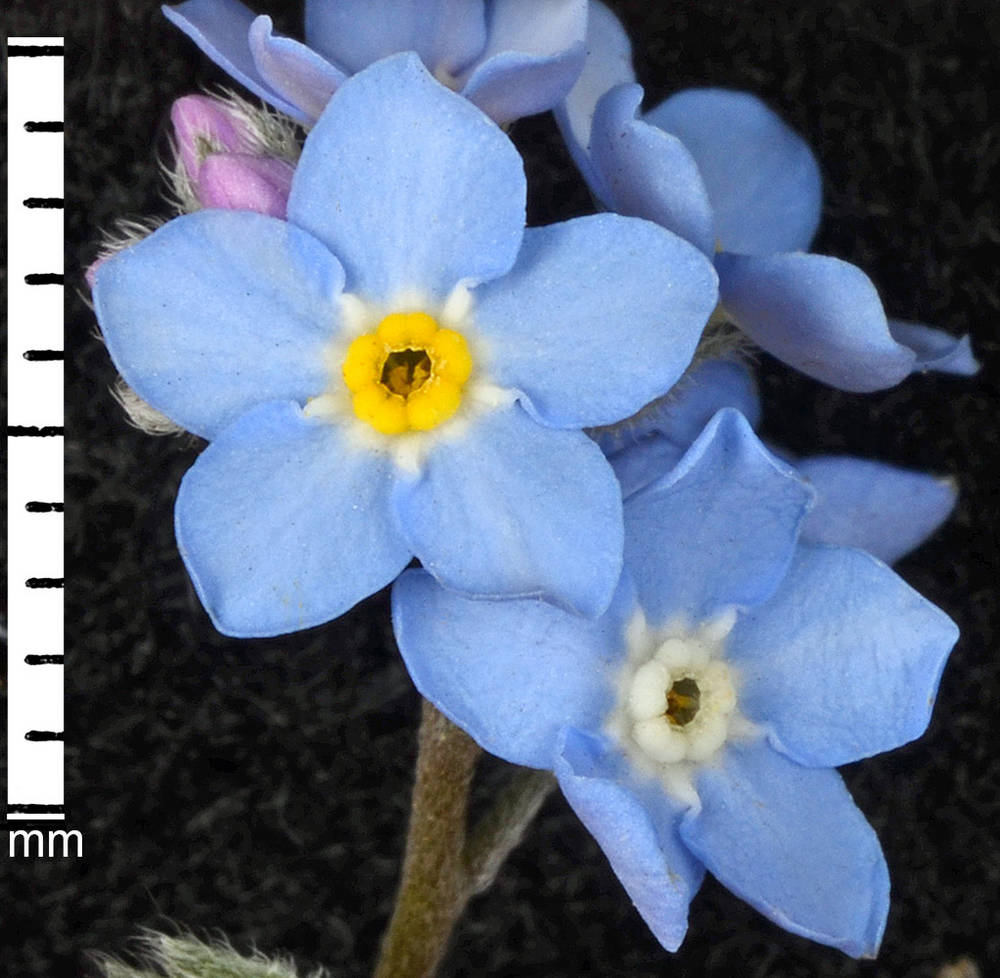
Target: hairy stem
pixel 501 829
pixel 434 886
pixel 444 867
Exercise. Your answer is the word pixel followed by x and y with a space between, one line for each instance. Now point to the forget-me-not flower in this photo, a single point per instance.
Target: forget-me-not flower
pixel 697 724
pixel 511 58
pixel 881 508
pixel 400 369
pixel 722 170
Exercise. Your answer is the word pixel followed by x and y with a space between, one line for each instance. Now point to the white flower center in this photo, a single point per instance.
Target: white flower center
pixel 676 700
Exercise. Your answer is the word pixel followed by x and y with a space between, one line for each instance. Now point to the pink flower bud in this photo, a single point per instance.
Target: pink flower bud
pixel 239 181
pixel 203 126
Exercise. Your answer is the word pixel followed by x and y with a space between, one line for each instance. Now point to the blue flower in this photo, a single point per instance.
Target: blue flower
pixel 402 369
pixel 883 509
pixel 509 57
pixel 697 724
pixel 723 171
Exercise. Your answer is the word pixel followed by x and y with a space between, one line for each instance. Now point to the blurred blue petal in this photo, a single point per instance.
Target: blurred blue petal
pixel 643 462
pixel 416 213
pixel 218 311
pixel 534 53
pixel 510 673
pixel 817 314
pixel 354 33
pixel 598 317
pixel 762 179
pixel 221 29
pixel 791 842
pixel 646 172
pixel 284 525
pixel 639 839
pixel 718 530
pixel 681 415
pixel 843 661
pixel 512 509
pixel 608 63
pixel 297 73
pixel 705 389
pixel 936 349
pixel 879 508
pixel 647 446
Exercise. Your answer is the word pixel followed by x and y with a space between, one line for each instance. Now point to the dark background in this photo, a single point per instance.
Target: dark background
pixel 260 788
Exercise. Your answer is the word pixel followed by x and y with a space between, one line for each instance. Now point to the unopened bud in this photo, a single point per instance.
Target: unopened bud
pixel 203 126
pixel 239 181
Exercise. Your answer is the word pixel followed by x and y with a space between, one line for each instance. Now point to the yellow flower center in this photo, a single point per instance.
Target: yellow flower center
pixel 408 374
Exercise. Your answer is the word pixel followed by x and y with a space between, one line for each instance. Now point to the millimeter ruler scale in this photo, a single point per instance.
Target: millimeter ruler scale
pixel 35 233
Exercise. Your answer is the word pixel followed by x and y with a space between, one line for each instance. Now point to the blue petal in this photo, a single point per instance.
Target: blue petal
pixel 409 185
pixel 873 506
pixel 221 28
pixel 218 311
pixel 647 446
pixel 643 462
pixel 446 34
pixel 512 509
pixel 718 530
pixel 646 172
pixel 283 525
pixel 608 63
pixel 297 73
pixel 935 349
pixel 791 842
pixel 599 316
pixel 510 673
pixel 843 661
pixel 638 834
pixel 534 53
pixel 681 416
pixel 817 314
pixel 762 178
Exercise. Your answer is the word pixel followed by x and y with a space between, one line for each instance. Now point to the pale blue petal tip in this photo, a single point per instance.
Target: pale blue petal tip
pixel 647 446
pixel 646 172
pixel 883 509
pixel 221 28
pixel 623 304
pixel 790 841
pixel 762 179
pixel 509 66
pixel 820 315
pixel 445 205
pixel 608 62
pixel 200 333
pixel 936 350
pixel 640 840
pixel 689 543
pixel 470 658
pixel 552 493
pixel 283 526
pixel 838 606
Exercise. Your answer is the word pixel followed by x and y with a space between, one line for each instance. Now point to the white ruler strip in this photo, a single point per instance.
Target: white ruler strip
pixel 35 642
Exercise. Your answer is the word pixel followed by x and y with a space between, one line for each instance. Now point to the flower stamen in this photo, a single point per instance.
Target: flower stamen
pixel 683 699
pixel 405 371
pixel 408 374
pixel 676 696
